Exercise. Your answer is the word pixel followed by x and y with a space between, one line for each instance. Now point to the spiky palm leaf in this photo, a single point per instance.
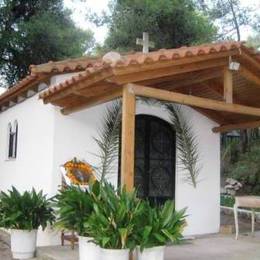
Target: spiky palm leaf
pixel 187 146
pixel 186 143
pixel 108 139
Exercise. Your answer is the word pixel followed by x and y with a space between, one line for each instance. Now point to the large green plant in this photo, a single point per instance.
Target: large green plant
pixel 112 223
pixel 159 225
pixel 27 211
pixel 74 206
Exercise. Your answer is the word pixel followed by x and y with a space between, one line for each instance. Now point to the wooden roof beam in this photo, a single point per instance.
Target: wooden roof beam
pixel 212 115
pixel 190 78
pixel 249 75
pixel 167 71
pixel 94 101
pixel 238 126
pixel 78 85
pixel 248 58
pixel 193 100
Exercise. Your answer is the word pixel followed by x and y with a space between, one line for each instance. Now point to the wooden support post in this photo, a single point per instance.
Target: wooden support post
pixel 228 86
pixel 128 138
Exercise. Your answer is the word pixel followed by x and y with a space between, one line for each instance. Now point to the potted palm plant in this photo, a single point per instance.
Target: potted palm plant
pixel 24 213
pixel 112 223
pixel 157 227
pixel 74 206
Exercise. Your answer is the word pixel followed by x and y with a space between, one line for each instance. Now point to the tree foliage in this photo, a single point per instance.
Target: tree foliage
pixel 247 170
pixel 170 23
pixel 229 15
pixel 36 31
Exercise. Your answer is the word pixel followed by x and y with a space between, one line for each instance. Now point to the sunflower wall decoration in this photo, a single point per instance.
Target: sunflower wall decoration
pixel 79 172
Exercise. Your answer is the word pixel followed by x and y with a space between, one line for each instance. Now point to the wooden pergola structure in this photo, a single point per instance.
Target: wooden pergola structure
pixel 221 81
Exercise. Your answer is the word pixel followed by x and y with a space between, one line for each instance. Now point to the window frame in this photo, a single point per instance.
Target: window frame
pixel 12 140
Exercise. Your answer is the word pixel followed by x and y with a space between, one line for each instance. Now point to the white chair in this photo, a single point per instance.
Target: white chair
pixel 251 202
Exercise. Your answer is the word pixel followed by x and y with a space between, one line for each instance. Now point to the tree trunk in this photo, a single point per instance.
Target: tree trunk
pixel 243 141
pixel 235 19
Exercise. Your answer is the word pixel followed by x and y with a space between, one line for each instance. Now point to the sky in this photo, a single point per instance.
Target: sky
pixel 79 9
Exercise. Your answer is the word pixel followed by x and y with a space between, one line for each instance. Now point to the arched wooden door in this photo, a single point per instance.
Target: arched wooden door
pixel 154 159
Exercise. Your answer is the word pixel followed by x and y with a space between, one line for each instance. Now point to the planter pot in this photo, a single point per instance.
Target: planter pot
pixel 115 254
pixel 87 249
pixel 154 253
pixel 23 243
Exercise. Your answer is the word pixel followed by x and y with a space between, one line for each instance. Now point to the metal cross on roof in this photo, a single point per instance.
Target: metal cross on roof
pixel 145 42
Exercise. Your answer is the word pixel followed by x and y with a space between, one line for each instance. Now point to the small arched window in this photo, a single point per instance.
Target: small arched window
pixel 12 140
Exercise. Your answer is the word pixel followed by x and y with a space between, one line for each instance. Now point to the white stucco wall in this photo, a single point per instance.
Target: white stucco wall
pixel 47 139
pixel 74 137
pixel 33 165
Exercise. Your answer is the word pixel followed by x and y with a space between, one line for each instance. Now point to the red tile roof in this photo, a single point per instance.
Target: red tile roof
pixel 43 71
pixel 138 59
pixel 95 67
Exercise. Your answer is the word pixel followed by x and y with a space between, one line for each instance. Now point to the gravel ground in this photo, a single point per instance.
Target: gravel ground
pixel 244 222
pixel 5 253
pixel 226 219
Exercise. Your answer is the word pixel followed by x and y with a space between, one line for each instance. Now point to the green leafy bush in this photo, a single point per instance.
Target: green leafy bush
pixel 74 207
pixel 227 201
pixel 247 171
pixel 159 225
pixel 27 211
pixel 120 220
pixel 112 223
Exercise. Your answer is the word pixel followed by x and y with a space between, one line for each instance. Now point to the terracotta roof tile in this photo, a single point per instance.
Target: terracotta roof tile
pixel 38 72
pixel 19 86
pixel 88 73
pixel 70 65
pixel 172 54
pixel 148 58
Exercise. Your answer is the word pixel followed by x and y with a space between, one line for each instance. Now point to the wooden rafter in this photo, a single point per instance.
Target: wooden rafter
pixel 185 79
pixel 230 127
pixel 250 75
pixel 93 79
pixel 128 138
pixel 249 59
pixel 167 71
pixel 193 100
pixel 94 101
pixel 212 115
pixel 189 79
